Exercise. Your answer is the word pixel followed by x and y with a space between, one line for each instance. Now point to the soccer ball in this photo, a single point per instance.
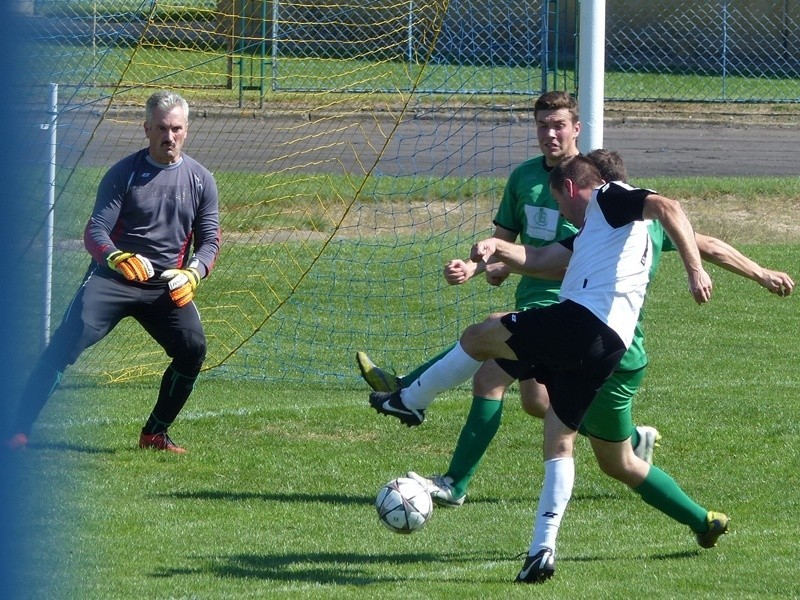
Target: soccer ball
pixel 404 505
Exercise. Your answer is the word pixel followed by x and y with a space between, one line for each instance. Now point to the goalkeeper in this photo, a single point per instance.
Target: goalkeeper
pixel 152 208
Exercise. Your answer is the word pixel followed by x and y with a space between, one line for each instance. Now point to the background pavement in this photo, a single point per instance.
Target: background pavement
pixel 653 143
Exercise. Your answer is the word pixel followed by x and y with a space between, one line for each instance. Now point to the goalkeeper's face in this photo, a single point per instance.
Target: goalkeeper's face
pixel 166 131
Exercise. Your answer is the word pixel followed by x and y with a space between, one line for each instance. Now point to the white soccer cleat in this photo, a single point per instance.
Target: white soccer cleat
pixel 648 440
pixel 440 488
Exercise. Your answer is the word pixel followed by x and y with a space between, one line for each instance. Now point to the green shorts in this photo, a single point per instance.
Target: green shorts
pixel 609 415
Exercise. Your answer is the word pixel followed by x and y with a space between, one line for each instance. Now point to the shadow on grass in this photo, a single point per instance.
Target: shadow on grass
pixel 279 497
pixel 352 568
pixel 615 557
pixel 332 568
pixel 674 555
pixel 240 496
pixel 67 447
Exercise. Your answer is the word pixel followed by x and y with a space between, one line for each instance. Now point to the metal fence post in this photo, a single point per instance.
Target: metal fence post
pixel 724 49
pixel 275 34
pixel 410 32
pixel 545 36
pixel 51 126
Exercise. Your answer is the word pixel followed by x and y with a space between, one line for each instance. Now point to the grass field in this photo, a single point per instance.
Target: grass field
pixel 736 209
pixel 275 497
pixel 291 79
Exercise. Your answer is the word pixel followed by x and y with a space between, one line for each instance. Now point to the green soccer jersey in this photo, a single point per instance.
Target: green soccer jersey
pixel 529 209
pixel 636 358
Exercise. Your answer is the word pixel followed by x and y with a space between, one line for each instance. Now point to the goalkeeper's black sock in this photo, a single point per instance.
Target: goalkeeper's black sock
pixel 153 425
pixel 172 395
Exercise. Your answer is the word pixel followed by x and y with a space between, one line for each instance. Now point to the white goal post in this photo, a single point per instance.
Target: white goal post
pixel 591 69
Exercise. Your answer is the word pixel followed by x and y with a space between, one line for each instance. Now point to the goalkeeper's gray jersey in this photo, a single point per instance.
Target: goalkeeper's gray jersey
pixel 167 213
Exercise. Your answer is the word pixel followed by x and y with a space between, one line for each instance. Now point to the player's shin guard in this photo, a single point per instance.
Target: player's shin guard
pixel 476 435
pixel 663 493
pixel 452 369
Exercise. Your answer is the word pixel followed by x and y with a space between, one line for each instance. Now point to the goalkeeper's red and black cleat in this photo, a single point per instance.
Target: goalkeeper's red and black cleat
pixel 159 441
pixel 18 441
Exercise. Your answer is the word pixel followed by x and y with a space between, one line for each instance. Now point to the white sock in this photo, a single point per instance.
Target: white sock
pixel 559 478
pixel 452 369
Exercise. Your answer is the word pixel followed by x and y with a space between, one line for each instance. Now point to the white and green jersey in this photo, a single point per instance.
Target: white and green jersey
pixel 528 209
pixel 609 270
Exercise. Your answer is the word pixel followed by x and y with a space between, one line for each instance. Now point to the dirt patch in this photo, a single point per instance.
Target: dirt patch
pixel 766 221
pixel 732 219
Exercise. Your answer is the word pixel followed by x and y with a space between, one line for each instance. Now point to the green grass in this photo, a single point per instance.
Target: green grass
pixel 275 497
pixel 259 273
pixel 204 67
pixel 186 9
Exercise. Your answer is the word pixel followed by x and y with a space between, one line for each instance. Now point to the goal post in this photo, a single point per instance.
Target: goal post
pixel 591 70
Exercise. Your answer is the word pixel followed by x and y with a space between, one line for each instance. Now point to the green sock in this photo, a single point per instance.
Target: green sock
pixel 410 377
pixel 478 432
pixel 660 491
pixel 634 437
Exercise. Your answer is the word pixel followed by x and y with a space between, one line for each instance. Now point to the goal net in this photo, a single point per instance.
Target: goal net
pixel 357 148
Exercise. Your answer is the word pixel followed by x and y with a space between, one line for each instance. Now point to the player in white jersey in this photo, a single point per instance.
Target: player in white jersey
pixel 573 346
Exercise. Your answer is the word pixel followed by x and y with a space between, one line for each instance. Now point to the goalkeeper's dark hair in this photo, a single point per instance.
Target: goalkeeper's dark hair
pixel 166 101
pixel 610 165
pixel 583 173
pixel 556 100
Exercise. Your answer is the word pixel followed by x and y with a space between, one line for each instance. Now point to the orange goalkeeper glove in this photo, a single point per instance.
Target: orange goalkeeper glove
pixel 134 267
pixel 181 283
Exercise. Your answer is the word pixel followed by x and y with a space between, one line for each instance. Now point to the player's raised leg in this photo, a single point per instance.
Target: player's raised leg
pixel 409 404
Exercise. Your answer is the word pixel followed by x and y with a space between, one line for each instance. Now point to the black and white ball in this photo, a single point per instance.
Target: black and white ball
pixel 404 505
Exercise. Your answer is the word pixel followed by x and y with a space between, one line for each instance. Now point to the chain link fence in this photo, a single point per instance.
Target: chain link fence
pixel 713 50
pixel 740 51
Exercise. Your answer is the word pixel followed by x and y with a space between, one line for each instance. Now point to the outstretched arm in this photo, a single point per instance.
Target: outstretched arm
pixel 670 213
pixel 526 260
pixel 729 258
